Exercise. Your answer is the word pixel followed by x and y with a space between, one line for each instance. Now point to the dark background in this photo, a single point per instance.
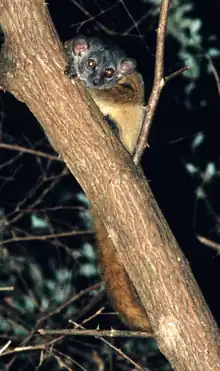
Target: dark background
pixel 189 107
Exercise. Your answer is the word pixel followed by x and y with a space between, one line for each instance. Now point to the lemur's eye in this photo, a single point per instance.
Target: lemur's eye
pixel 109 72
pixel 91 63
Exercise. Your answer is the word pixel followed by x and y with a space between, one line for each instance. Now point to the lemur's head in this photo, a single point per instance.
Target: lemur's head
pixel 98 64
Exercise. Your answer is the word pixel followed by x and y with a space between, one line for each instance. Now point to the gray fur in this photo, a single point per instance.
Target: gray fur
pixel 105 55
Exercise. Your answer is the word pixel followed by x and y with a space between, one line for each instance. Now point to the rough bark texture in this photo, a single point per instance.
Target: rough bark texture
pixel 182 323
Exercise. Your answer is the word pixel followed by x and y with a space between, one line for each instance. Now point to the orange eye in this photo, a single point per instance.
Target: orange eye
pixel 91 63
pixel 109 72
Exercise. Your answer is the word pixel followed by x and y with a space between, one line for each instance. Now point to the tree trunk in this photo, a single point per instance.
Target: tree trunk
pixel 32 65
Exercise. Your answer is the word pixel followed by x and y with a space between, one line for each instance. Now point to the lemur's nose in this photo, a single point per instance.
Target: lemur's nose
pixel 96 80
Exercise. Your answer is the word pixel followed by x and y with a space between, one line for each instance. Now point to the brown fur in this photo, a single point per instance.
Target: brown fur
pixel 124 104
pixel 118 284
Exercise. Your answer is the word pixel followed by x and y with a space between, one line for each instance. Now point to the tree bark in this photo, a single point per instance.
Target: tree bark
pixel 32 65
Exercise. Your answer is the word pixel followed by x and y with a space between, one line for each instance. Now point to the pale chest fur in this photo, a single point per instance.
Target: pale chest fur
pixel 124 105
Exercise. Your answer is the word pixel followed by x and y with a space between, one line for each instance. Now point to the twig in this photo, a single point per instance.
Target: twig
pixel 97 333
pixel 30 347
pixel 214 71
pixel 46 236
pixel 209 243
pixel 5 347
pixel 69 301
pixel 22 347
pixel 90 17
pixel 56 179
pixel 30 151
pixel 175 74
pixel 68 359
pixel 158 84
pixel 102 27
pixel 10 288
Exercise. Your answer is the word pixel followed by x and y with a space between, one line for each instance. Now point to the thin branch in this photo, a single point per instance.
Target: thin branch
pixel 175 74
pixel 3 349
pixel 46 236
pixel 102 27
pixel 117 350
pixel 31 347
pixel 31 210
pixel 38 200
pixel 97 333
pixel 39 322
pixel 9 288
pixel 158 84
pixel 30 151
pixel 214 71
pixel 209 243
pixel 69 301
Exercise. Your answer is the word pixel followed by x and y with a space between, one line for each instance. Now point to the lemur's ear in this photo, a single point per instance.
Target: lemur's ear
pixel 127 66
pixel 80 45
